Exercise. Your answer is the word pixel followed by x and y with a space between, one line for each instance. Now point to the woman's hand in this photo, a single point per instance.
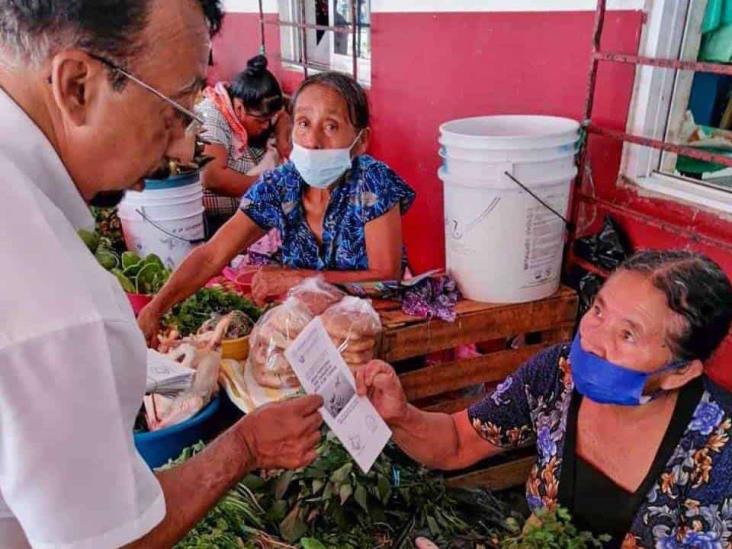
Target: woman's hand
pixel 273 281
pixel 270 161
pixel 149 322
pixel 380 383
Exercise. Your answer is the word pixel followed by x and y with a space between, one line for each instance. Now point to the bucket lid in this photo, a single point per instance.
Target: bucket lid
pixel 509 131
pixel 172 182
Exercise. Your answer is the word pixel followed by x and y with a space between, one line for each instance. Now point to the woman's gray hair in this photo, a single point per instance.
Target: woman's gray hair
pixel 697 289
pixel 32 31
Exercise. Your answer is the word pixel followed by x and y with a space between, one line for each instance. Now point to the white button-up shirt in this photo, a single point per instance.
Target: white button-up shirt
pixel 72 365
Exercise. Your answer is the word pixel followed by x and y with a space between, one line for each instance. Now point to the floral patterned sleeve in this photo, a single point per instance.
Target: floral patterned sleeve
pixel 263 201
pixel 381 189
pixel 505 417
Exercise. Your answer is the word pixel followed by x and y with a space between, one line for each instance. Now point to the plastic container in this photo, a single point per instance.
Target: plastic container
pixel 158 447
pixel 236 349
pixel 138 301
pixel 502 244
pixel 166 219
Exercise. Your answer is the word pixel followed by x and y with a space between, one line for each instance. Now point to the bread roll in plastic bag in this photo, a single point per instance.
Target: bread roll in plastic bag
pixel 353 325
pixel 272 334
pixel 316 294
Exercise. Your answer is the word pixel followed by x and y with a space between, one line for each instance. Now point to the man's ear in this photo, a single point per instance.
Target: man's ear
pixel 678 378
pixel 76 81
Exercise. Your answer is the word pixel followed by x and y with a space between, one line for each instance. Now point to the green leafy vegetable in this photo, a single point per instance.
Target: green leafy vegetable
pixel 189 315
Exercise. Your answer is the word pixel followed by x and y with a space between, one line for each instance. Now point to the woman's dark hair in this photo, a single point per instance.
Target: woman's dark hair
pixel 697 289
pixel 257 88
pixel 350 90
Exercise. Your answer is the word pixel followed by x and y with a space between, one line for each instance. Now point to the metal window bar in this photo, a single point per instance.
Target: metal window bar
pixel 302 26
pixel 597 57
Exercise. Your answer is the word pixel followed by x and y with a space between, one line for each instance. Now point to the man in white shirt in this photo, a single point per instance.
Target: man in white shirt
pixel 85 111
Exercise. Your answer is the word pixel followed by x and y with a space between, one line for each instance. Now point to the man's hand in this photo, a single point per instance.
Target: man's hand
pixel 380 383
pixel 283 435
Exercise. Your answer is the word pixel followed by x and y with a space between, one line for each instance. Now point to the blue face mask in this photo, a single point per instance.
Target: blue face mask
pixel 605 382
pixel 320 168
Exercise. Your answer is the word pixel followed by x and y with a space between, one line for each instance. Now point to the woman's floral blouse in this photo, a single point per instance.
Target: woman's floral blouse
pixel 690 505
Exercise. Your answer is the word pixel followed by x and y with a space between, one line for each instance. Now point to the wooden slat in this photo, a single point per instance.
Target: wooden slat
pixel 450 376
pixel 449 406
pixel 485 324
pixel 498 477
pixel 397 318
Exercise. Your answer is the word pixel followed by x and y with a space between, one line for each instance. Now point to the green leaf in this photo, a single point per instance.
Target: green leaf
pixel 282 484
pixel 91 239
pixel 152 259
pixel 317 485
pixel 433 526
pixel 127 286
pixel 107 258
pixel 311 543
pixel 384 488
pixel 253 482
pixel 129 259
pixel 345 492
pixel 293 528
pixel 341 475
pixel 329 490
pixel 277 512
pixel 362 497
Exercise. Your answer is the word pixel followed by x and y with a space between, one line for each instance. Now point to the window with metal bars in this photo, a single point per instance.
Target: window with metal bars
pixel 683 97
pixel 327 35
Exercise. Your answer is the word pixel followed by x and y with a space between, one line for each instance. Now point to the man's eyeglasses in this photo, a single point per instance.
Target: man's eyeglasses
pixel 190 119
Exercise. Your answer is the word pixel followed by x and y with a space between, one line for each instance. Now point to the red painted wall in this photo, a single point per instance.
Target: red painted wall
pixel 430 68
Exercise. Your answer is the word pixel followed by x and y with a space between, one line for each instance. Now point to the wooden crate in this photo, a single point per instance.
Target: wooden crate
pixel 433 387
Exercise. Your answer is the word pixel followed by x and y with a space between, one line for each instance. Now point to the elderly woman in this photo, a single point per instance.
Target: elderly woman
pixel 337 209
pixel 248 133
pixel 631 436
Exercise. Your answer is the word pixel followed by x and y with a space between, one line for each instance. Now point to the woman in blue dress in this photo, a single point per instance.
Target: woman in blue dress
pixel 337 209
pixel 631 436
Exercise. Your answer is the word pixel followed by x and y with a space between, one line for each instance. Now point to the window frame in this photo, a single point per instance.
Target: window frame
pixel 660 99
pixel 291 45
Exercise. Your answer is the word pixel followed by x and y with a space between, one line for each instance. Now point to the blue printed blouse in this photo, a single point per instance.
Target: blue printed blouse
pixel 368 191
pixel 688 505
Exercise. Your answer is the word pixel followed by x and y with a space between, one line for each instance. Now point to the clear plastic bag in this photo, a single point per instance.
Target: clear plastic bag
pixel 354 326
pixel 273 333
pixel 316 294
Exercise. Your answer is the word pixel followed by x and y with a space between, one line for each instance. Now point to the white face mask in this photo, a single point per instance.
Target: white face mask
pixel 320 168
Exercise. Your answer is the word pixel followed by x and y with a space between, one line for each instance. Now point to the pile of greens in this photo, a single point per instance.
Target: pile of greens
pixel 136 275
pixel 187 317
pixel 550 530
pixel 332 503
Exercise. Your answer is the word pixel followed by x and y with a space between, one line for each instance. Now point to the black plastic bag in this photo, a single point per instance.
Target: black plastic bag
pixel 607 249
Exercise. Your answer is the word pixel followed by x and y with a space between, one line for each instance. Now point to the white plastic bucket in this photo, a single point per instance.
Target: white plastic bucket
pixel 502 244
pixel 166 219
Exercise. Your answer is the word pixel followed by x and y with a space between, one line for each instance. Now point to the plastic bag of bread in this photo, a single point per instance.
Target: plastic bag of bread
pixel 277 329
pixel 353 325
pixel 316 294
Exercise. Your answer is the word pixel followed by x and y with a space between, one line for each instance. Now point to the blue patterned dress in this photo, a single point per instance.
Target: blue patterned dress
pixel 368 191
pixel 688 505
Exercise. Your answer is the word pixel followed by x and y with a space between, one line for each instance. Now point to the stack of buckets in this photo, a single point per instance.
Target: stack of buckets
pixel 502 244
pixel 165 219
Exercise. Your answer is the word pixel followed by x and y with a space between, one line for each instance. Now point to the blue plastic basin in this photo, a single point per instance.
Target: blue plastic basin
pixel 157 447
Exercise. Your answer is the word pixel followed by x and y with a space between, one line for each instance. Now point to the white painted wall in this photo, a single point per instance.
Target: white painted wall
pixel 431 6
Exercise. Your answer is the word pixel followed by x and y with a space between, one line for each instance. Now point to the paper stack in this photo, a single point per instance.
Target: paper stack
pixel 165 375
